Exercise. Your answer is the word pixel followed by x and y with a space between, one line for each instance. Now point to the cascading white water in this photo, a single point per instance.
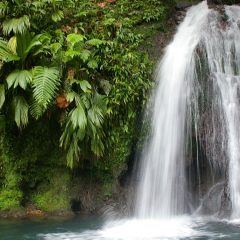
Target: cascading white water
pixel 222 43
pixel 161 190
pixel 205 48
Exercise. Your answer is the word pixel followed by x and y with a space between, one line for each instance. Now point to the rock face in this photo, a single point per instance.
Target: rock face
pixel 212 201
pixel 183 6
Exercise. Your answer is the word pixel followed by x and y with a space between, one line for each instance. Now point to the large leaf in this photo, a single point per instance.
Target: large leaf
pixel 6 54
pixel 78 117
pixel 95 42
pixel 98 110
pixel 74 38
pixel 16 25
pixel 12 44
pixel 26 43
pixel 84 85
pixel 45 84
pixel 69 140
pixel 19 78
pixel 20 110
pixel 57 16
pixel 97 145
pixel 85 54
pixel 92 64
pixel 2 95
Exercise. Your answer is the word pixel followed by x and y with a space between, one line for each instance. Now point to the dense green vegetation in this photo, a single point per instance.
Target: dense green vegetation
pixel 73 81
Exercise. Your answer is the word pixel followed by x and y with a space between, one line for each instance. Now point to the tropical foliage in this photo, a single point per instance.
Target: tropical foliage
pixel 75 65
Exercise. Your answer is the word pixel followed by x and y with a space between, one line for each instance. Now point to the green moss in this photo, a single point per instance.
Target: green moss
pixel 10 199
pixel 54 196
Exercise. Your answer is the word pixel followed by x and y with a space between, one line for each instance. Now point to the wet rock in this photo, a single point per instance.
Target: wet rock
pixel 226 204
pixel 212 2
pixel 212 201
pixel 183 6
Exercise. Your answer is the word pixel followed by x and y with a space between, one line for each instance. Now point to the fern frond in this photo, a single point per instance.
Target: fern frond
pixel 16 25
pixel 45 84
pixel 36 110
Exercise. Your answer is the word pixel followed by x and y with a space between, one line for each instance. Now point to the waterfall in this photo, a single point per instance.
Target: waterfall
pixel 197 94
pixel 222 45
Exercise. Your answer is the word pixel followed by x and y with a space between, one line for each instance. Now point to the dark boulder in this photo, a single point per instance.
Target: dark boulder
pixel 182 6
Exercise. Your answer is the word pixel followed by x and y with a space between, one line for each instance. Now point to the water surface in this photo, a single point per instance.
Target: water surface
pixel 182 228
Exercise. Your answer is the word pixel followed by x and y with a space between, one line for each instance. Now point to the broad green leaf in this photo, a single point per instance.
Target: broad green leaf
pixel 16 25
pixel 78 117
pixel 92 64
pixel 57 16
pixel 70 54
pixel 2 95
pixel 55 47
pixel 20 110
pixel 95 42
pixel 74 38
pixel 35 41
pixel 71 96
pixel 26 43
pixel 19 78
pixel 85 85
pixel 85 54
pixel 6 55
pixel 45 84
pixel 12 44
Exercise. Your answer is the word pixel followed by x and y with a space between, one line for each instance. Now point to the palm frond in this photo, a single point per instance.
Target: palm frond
pixel 6 55
pixel 98 110
pixel 20 110
pixel 45 84
pixel 2 95
pixel 70 142
pixel 19 78
pixel 78 117
pixel 16 25
pixel 97 145
pixel 26 42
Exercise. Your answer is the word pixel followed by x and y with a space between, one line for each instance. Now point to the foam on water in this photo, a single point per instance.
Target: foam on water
pixel 148 229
